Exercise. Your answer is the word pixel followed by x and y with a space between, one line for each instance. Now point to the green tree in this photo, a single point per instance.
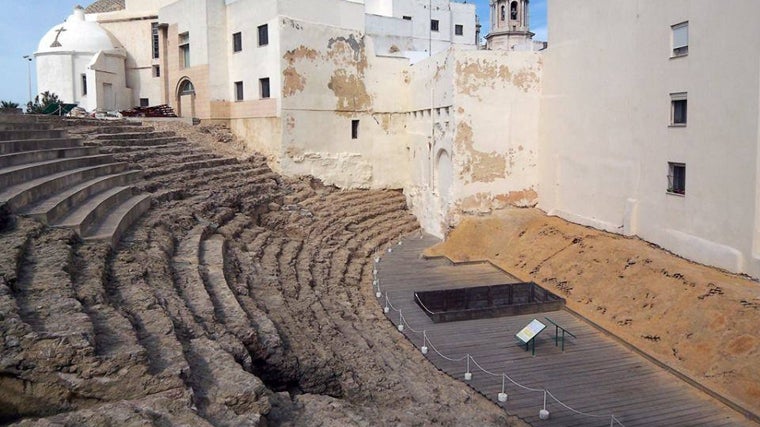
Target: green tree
pixel 41 104
pixel 8 105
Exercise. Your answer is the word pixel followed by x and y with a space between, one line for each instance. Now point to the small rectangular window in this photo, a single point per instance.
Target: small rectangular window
pixel 144 102
pixel 264 85
pixel 407 18
pixel 154 39
pixel 184 49
pixel 84 84
pixel 237 42
pixel 263 35
pixel 458 29
pixel 433 25
pixel 680 39
pixel 238 91
pixel 676 178
pixel 354 129
pixel 156 71
pixel 678 109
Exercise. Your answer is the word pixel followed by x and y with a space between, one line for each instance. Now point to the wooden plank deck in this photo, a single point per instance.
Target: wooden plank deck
pixel 596 375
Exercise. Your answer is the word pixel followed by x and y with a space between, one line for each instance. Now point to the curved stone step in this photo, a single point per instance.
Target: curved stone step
pixel 21 173
pixel 36 133
pixel 212 263
pixel 7 147
pixel 58 205
pixel 23 157
pixel 95 208
pixel 119 219
pixel 145 142
pixel 26 193
pixel 186 267
pixel 120 128
pixel 24 126
pixel 133 135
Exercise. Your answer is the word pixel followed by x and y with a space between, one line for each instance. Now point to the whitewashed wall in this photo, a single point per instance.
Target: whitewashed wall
pixel 606 140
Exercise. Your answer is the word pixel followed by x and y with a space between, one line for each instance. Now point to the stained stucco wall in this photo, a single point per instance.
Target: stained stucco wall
pixel 330 78
pixel 474 134
pixel 606 139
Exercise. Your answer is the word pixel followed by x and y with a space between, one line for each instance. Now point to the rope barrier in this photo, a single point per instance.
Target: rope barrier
pixel 483 369
pixel 574 410
pixel 417 297
pixel 468 375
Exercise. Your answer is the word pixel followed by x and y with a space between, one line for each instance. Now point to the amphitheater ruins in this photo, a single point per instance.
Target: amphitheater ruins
pixel 225 268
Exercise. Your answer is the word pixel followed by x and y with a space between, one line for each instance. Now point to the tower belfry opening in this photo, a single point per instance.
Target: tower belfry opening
pixel 510 26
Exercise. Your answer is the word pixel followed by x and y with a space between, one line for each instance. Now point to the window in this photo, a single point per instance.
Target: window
pixel 513 11
pixel 238 91
pixel 263 35
pixel 84 84
pixel 676 178
pixel 503 13
pixel 458 29
pixel 407 18
pixel 678 109
pixel 354 129
pixel 184 50
pixel 186 88
pixel 144 102
pixel 154 39
pixel 433 25
pixel 680 39
pixel 156 71
pixel 237 42
pixel 264 85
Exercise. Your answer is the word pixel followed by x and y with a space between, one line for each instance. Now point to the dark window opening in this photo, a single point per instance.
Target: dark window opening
pixel 263 35
pixel 144 102
pixel 677 178
pixel 237 42
pixel 154 39
pixel 84 84
pixel 433 25
pixel 513 11
pixel 354 129
pixel 503 13
pixel 407 18
pixel 679 110
pixel 156 71
pixel 264 84
pixel 458 29
pixel 238 91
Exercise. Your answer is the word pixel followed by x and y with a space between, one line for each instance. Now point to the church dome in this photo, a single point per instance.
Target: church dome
pixel 77 35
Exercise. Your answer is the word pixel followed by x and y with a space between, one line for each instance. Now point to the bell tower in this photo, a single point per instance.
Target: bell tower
pixel 510 26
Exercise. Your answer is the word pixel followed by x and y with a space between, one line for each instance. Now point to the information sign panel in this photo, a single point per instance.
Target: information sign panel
pixel 529 332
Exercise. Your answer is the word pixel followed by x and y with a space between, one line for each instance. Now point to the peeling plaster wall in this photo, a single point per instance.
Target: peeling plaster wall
pixel 484 117
pixel 330 78
pixel 606 139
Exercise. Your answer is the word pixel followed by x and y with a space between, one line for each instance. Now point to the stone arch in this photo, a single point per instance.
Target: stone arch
pixel 443 175
pixel 185 97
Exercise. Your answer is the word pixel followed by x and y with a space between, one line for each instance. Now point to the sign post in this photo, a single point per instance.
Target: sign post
pixel 527 335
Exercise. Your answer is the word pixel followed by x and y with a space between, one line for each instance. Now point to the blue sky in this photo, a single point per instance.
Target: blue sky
pixel 23 23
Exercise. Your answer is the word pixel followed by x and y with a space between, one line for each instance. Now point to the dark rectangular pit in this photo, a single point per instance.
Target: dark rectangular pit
pixel 483 302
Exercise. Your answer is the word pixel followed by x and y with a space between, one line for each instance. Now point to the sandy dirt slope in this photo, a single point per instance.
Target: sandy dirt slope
pixel 699 320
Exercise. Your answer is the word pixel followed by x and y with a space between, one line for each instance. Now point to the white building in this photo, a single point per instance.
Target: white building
pixel 621 151
pixel 394 94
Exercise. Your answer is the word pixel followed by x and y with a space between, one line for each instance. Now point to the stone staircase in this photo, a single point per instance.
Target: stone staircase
pixel 48 175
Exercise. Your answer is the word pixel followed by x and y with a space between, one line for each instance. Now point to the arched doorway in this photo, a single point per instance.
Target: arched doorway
pixel 443 176
pixel 185 98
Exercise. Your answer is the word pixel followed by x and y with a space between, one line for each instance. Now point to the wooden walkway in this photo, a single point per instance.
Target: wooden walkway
pixel 595 375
